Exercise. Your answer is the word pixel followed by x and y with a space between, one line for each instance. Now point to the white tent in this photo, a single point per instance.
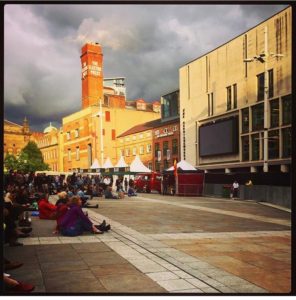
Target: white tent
pixel 121 163
pixel 183 165
pixel 95 165
pixel 138 166
pixel 108 164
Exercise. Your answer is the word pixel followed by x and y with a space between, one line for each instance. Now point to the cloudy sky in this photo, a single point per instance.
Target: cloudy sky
pixel 146 44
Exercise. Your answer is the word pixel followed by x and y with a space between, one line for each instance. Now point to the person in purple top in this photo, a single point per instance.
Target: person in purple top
pixel 75 222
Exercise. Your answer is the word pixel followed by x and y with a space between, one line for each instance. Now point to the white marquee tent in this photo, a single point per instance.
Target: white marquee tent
pixel 183 165
pixel 108 164
pixel 121 163
pixel 138 166
pixel 95 165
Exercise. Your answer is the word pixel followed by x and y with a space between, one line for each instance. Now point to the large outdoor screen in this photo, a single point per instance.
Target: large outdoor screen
pixel 219 138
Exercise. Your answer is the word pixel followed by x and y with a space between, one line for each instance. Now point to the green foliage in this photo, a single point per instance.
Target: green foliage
pixel 10 162
pixel 30 160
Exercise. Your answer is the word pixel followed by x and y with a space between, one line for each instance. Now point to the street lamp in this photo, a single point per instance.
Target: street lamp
pixel 263 58
pixel 100 114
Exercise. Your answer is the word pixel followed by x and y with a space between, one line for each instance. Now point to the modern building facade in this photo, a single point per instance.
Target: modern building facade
pixel 235 102
pixel 166 134
pixel 90 133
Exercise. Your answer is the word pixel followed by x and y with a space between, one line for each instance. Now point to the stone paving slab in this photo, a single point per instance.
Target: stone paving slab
pixel 182 258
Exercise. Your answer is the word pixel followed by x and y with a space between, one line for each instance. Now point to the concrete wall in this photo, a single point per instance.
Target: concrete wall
pixel 278 195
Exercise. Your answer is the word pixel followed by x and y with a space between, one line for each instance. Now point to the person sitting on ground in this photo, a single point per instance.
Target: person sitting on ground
pixel 83 197
pixel 62 208
pixel 109 194
pixel 46 209
pixel 131 192
pixel 75 222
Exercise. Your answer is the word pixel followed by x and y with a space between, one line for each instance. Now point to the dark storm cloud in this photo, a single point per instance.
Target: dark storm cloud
pixel 144 43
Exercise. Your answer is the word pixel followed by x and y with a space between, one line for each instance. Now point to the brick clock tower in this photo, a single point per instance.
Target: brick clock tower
pixel 91 74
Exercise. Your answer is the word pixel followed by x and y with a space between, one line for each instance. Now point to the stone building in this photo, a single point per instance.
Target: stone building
pixel 16 137
pixel 90 133
pixel 48 143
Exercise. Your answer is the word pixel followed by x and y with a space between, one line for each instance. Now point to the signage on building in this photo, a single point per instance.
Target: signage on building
pixel 168 154
pixel 158 155
pixel 164 132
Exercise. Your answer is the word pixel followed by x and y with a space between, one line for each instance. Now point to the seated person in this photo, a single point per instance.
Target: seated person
pixel 82 196
pixel 75 222
pixel 46 209
pixel 62 208
pixel 109 194
pixel 131 192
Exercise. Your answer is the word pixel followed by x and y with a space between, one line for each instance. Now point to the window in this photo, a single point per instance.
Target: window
pixel 135 151
pixel 68 135
pixel 165 147
pixel 245 148
pixel 157 166
pixel 107 116
pixel 260 87
pixel 69 154
pixel 113 134
pixel 258 117
pixel 134 137
pixel 270 83
pixel 165 164
pixel 121 141
pixel 127 152
pixel 255 146
pixel 273 144
pixel 175 146
pixel 175 128
pixel 287 140
pixel 148 134
pixel 245 120
pixel 150 165
pixel 235 96
pixel 210 104
pixel 141 136
pixel 287 109
pixel 76 133
pixel 77 153
pixel 156 149
pixel 127 139
pixel 274 113
pixel 121 152
pixel 148 148
pixel 141 150
pixel 228 90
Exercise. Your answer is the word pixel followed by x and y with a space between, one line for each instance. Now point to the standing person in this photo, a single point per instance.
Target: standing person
pixel 235 189
pixel 125 184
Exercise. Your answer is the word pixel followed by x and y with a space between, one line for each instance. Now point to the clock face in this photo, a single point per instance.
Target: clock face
pixel 91 69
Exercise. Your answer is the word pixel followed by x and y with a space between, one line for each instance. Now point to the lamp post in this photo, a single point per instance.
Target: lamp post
pixel 100 114
pixel 263 58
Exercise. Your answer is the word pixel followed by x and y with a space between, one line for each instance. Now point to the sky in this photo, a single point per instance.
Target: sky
pixel 146 44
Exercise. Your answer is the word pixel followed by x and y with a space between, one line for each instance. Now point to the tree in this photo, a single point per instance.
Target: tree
pixel 10 162
pixel 31 160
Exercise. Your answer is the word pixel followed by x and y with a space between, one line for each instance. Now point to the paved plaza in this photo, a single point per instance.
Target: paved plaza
pixel 162 244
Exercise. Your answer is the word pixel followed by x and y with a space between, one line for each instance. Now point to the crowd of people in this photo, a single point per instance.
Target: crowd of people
pixel 29 192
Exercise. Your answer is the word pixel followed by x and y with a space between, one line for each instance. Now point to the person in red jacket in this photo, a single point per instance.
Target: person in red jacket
pixel 46 209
